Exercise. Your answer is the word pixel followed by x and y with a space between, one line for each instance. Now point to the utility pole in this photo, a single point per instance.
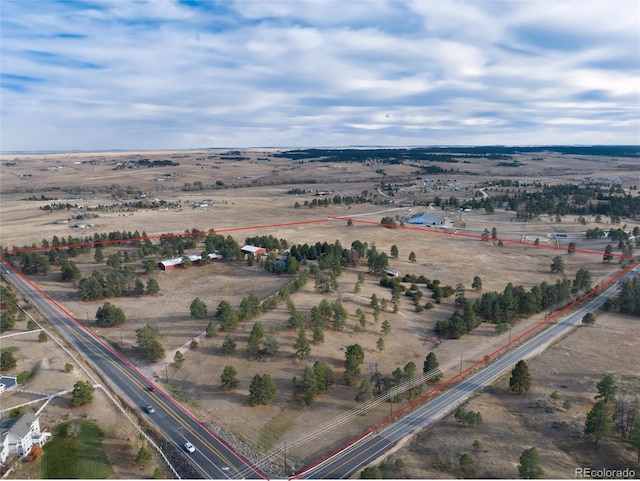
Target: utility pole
pixel 166 372
pixel 510 334
pixel 460 363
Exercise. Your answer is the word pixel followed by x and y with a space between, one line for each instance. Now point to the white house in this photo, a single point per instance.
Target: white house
pixel 19 435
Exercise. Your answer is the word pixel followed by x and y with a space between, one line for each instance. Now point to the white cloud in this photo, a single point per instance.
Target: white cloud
pixel 318 73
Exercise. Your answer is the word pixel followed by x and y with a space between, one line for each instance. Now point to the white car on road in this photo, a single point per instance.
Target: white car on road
pixel 189 447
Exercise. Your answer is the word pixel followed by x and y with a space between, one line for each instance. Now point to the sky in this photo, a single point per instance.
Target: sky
pixel 189 74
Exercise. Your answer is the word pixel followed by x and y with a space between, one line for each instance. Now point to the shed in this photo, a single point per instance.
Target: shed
pixel 256 251
pixel 392 272
pixel 177 262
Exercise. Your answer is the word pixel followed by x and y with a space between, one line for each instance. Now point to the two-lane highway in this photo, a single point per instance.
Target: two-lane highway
pixel 212 456
pixel 372 446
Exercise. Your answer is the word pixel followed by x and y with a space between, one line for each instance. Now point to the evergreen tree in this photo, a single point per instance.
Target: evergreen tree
pixel 529 467
pixel 227 315
pixel 70 271
pixel 228 378
pixel 309 386
pixel 394 251
pixel 262 390
pixel 178 359
pixel 354 357
pixel 380 344
pixel 607 388
pixel 271 346
pixel 557 265
pixel 82 393
pixel 477 284
pixel 431 365
pixel 211 330
pixel 7 361
pixel 589 318
pixel 228 345
pixel 520 380
pixel 148 343
pixel 412 256
pixel 386 327
pixel 153 288
pixel 598 423
pixel 302 346
pixel 318 335
pixel 198 309
pixel 109 316
pixel 365 392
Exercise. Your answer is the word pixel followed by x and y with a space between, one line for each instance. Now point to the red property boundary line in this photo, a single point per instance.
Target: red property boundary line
pixel 163 236
pixel 133 368
pixel 460 375
pixel 316 221
pixel 470 236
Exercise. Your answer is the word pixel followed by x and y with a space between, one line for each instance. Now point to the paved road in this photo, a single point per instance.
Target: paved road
pixel 345 463
pixel 212 458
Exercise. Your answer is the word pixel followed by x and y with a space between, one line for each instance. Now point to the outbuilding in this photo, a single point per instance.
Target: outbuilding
pixel 425 219
pixel 178 262
pixel 256 251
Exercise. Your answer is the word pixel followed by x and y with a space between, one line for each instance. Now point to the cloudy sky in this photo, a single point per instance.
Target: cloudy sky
pixel 170 74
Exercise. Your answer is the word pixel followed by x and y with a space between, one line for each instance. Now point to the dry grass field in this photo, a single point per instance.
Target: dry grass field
pixel 253 200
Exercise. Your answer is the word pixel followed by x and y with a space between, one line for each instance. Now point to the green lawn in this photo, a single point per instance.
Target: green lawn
pixel 76 452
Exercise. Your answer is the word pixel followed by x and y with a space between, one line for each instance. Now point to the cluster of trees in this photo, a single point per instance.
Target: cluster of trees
pixel 262 390
pixel 503 309
pixel 609 413
pixel 568 199
pixel 469 418
pixel 628 300
pixel 115 284
pixel 9 305
pixel 249 308
pixel 382 382
pixel 110 316
pixel 337 199
pixel 315 379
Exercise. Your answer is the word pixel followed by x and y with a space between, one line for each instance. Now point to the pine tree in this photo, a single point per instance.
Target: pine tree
pixel 520 380
pixel 228 378
pixel 529 467
pixel 302 346
pixel 178 359
pixel 228 345
pixel 607 388
pixel 598 422
pixel 431 365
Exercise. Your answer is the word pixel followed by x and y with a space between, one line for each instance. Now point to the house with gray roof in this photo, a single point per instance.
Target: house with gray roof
pixel 19 435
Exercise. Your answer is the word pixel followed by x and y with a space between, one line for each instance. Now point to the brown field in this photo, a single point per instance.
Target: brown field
pixel 256 195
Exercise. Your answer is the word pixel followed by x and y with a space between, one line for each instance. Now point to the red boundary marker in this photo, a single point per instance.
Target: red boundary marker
pixel 316 221
pixel 465 371
pixel 133 368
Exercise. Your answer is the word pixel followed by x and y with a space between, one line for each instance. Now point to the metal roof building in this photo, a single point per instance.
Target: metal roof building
pixel 176 262
pixel 425 218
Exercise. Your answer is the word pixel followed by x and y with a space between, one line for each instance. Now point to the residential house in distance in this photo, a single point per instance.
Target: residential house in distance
pixel 425 219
